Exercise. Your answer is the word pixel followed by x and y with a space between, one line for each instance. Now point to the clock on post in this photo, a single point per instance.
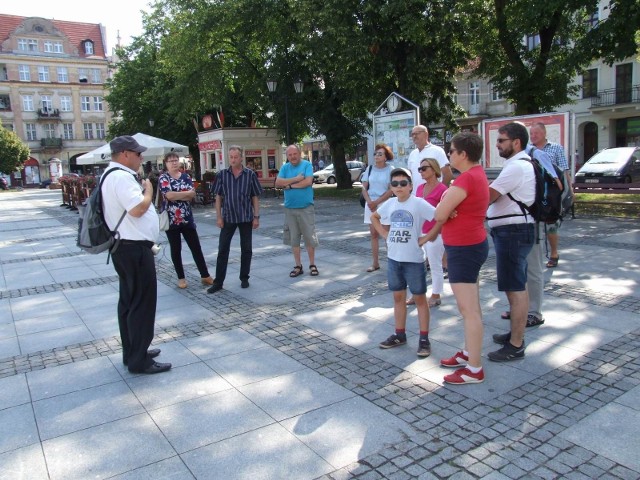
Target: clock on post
pixel 393 104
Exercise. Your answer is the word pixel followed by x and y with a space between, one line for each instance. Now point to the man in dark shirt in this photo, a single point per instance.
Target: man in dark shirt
pixel 237 192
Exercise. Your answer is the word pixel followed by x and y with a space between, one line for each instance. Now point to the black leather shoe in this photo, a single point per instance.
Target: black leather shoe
pixel 153 353
pixel 244 284
pixel 156 367
pixel 214 288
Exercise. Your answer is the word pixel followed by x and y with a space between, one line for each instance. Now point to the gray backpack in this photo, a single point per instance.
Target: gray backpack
pixel 94 235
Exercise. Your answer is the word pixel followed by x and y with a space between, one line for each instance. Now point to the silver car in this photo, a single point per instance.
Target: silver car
pixel 328 174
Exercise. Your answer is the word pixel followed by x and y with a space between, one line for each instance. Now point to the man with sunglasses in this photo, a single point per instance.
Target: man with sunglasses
pixel 512 231
pixel 426 149
pixel 399 220
pixel 133 259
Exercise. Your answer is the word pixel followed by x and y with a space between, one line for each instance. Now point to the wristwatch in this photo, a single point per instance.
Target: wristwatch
pixel 256 216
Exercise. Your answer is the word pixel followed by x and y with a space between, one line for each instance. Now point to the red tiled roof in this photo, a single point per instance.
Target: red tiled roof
pixel 77 32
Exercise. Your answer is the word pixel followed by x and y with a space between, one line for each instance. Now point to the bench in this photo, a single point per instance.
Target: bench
pixel 269 186
pixel 605 188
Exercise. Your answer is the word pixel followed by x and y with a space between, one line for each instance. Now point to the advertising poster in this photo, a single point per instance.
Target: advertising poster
pixel 253 160
pixel 556 124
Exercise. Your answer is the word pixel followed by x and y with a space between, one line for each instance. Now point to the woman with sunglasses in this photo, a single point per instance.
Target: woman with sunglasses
pixel 460 215
pixel 375 189
pixel 432 191
pixel 177 191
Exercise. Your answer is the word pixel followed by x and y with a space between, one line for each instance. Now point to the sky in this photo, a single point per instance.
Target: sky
pixel 114 15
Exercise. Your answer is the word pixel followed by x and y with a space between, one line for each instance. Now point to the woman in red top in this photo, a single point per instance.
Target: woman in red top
pixel 461 215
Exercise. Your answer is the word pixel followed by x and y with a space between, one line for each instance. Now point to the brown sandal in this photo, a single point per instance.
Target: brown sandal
pixel 313 271
pixel 297 270
pixel 553 262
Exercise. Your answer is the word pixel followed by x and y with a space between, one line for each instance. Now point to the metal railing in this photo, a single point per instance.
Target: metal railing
pixel 51 142
pixel 48 113
pixel 616 96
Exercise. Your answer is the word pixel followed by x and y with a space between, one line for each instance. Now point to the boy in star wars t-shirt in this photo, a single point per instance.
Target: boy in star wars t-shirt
pixel 399 220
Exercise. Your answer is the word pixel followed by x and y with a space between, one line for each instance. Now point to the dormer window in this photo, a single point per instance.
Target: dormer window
pixel 88 47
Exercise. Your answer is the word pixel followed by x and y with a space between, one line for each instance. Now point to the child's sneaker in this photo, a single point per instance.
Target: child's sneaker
pixel 463 376
pixel 393 341
pixel 457 361
pixel 424 347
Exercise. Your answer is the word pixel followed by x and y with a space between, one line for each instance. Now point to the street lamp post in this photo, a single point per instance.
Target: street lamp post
pixel 152 122
pixel 298 86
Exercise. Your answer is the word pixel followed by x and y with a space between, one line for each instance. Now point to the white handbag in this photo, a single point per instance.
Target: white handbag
pixel 163 215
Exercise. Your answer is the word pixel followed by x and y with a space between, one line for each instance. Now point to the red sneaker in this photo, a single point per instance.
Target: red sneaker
pixel 458 360
pixel 464 375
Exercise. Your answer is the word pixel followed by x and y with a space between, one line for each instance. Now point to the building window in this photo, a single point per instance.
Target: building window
pixel 97 104
pixel 474 93
pixel 95 75
pixel 593 20
pixel 3 74
pixel 83 75
pixel 25 74
pixel 63 74
pixel 624 74
pixel 27 45
pixel 43 74
pixel 57 47
pixel 67 129
pixel 65 103
pixel 8 126
pixel 27 103
pixel 48 46
pixel 533 41
pixel 590 83
pixel 47 103
pixel 88 47
pixel 496 94
pixel 49 130
pixel 88 131
pixel 30 131
pixel 5 103
pixel 100 131
pixel 85 104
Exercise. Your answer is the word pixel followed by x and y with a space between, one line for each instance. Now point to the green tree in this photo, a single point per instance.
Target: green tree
pixel 533 54
pixel 13 153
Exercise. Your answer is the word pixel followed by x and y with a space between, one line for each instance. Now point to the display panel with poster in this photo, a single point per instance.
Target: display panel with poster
pixel 395 131
pixel 556 124
pixel 253 160
pixel 271 163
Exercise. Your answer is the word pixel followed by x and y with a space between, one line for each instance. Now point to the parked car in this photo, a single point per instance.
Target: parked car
pixel 4 185
pixel 611 165
pixel 328 174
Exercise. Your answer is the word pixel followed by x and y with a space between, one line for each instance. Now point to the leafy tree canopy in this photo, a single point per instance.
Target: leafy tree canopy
pixel 13 152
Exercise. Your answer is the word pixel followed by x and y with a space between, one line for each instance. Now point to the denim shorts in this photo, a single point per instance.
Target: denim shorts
pixel 512 244
pixel 403 274
pixel 464 262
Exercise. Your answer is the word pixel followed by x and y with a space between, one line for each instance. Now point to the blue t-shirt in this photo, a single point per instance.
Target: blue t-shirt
pixel 297 197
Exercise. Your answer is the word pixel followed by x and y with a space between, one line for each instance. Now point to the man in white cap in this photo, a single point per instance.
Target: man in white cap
pixel 133 258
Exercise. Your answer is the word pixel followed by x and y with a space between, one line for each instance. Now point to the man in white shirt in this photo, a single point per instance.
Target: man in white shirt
pixel 133 258
pixel 425 149
pixel 512 230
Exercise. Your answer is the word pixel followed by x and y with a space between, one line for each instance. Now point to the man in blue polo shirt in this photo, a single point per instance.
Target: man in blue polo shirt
pixel 237 192
pixel 296 178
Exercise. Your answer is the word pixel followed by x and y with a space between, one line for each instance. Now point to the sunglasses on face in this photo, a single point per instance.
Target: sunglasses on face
pixel 500 140
pixel 424 168
pixel 399 183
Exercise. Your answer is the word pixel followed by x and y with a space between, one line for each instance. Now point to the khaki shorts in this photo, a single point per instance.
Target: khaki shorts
pixel 300 223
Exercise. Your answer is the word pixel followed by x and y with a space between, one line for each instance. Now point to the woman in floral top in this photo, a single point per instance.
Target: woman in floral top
pixel 178 192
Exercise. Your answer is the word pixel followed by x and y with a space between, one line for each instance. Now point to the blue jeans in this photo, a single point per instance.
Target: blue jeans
pixel 512 245
pixel 224 245
pixel 401 274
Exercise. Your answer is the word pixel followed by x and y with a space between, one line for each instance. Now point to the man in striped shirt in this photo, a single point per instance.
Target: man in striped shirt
pixel 237 191
pixel 538 134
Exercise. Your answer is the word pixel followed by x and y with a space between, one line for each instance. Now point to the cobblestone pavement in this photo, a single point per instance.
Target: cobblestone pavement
pixel 575 419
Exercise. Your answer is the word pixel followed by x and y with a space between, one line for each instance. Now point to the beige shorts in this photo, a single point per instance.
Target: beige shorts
pixel 300 223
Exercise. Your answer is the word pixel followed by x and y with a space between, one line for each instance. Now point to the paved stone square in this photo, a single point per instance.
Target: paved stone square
pixel 285 380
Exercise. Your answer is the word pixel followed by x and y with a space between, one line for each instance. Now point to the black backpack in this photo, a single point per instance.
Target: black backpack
pixel 94 235
pixel 547 206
